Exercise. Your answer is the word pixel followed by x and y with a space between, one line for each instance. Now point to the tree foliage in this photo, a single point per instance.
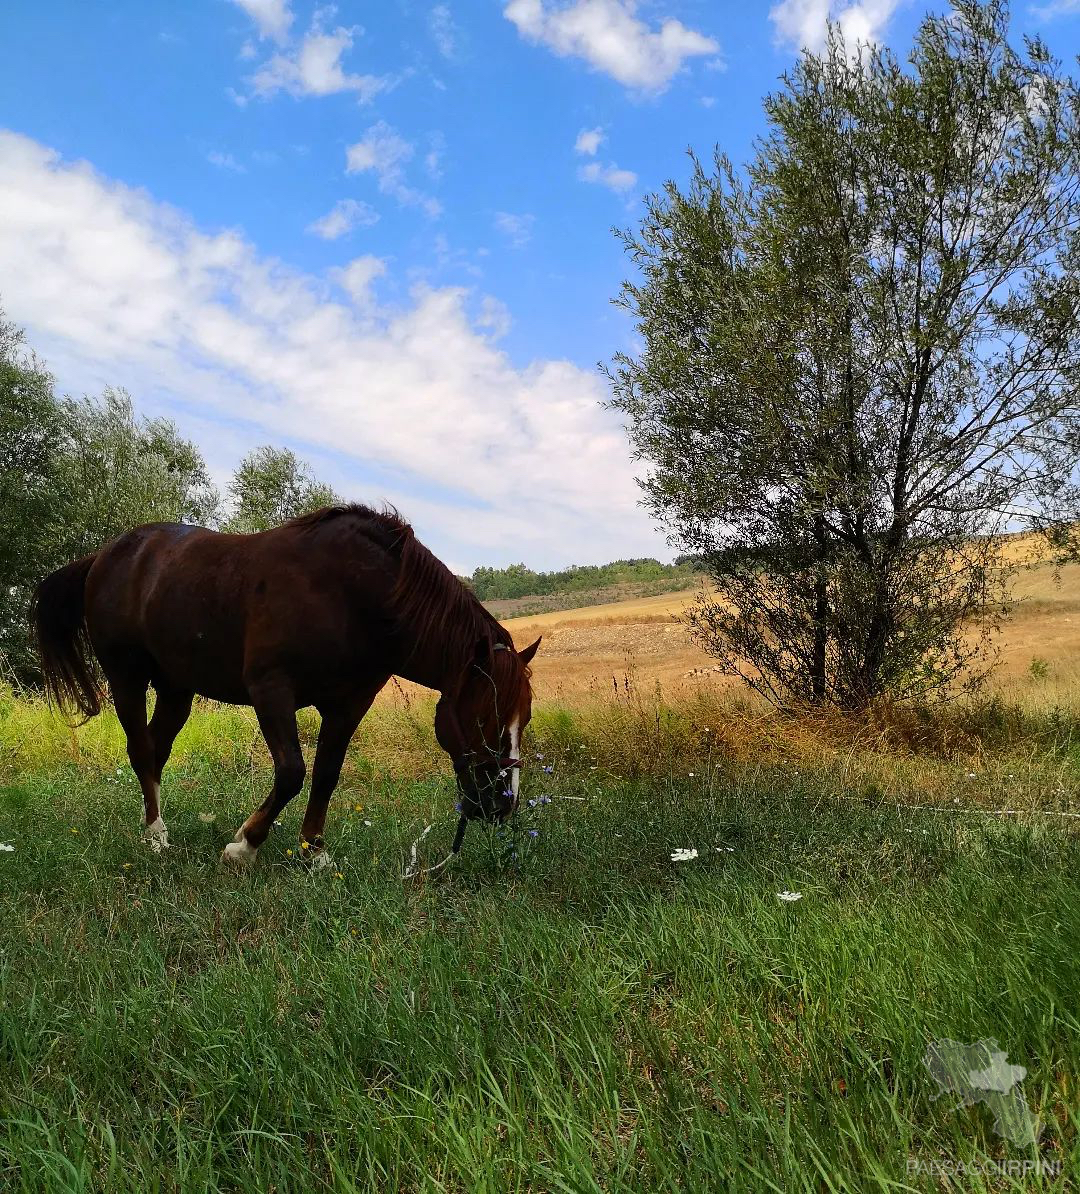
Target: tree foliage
pixel 117 471
pixel 75 473
pixel 270 486
pixel 862 356
pixel 31 435
pixel 518 580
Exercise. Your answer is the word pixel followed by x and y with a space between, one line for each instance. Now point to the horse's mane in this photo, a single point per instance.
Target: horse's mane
pixel 443 614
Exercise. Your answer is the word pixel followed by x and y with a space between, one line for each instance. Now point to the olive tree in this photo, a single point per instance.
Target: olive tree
pixel 74 474
pixel 118 470
pixel 31 439
pixel 270 486
pixel 860 360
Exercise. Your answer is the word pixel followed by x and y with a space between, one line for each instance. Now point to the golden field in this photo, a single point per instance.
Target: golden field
pixel 596 650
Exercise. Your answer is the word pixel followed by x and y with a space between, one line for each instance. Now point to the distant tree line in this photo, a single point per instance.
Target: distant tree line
pixel 76 472
pixel 518 580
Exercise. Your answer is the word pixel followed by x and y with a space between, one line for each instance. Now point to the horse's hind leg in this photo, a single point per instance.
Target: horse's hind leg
pixel 171 709
pixel 276 711
pixel 129 697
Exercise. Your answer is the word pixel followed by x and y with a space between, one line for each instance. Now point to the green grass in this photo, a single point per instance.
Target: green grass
pixel 589 1016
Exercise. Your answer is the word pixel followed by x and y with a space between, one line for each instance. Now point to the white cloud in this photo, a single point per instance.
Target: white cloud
pixel 381 150
pixel 314 67
pixel 386 154
pixel 273 17
pixel 494 462
pixel 343 217
pixel 516 228
pixel 433 159
pixel 611 38
pixel 443 30
pixel 619 181
pixel 225 161
pixel 358 277
pixel 1056 8
pixel 804 23
pixel 589 141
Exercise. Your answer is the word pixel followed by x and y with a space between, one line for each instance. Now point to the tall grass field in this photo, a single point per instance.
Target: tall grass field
pixel 563 1007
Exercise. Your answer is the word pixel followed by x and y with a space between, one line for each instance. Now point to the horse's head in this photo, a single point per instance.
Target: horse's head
pixel 480 724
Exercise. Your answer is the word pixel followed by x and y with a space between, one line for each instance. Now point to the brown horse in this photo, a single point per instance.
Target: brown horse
pixel 321 611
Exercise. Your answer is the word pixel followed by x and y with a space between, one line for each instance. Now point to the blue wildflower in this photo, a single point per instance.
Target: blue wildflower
pixel 534 833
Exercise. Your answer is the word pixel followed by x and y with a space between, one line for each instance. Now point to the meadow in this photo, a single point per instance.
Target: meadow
pixel 563 1007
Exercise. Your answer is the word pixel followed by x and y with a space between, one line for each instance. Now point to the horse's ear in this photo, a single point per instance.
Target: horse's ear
pixel 482 654
pixel 526 655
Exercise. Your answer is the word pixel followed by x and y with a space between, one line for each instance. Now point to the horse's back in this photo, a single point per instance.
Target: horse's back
pixel 207 611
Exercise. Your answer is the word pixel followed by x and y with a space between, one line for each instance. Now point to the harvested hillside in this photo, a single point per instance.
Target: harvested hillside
pixel 585 649
pixel 546 603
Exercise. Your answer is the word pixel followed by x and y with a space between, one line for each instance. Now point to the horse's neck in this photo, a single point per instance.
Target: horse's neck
pixel 434 660
pixel 436 650
pixel 429 667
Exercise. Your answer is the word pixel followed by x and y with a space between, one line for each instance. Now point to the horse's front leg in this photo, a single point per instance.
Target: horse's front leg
pixel 275 708
pixel 338 726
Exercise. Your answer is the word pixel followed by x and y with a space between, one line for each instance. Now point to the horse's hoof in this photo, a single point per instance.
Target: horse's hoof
pixel 320 860
pixel 238 854
pixel 157 836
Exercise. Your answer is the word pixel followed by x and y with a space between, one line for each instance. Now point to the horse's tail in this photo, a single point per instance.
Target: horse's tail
pixel 58 623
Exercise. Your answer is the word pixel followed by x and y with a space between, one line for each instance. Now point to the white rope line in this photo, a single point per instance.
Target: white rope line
pixel 991 812
pixel 414 869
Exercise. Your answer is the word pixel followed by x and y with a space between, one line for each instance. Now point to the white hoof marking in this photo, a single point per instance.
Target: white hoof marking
pixel 239 853
pixel 157 836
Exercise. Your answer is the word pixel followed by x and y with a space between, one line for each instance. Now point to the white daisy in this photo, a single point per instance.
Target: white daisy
pixel 789 897
pixel 683 854
pixel 6 847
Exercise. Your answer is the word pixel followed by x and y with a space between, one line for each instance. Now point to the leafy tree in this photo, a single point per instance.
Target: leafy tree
pixel 31 436
pixel 270 486
pixel 74 474
pixel 118 471
pixel 862 358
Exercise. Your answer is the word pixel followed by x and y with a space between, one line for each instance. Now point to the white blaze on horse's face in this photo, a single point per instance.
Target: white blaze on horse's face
pixel 515 753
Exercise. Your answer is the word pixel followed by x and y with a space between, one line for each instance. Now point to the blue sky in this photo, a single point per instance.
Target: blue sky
pixel 381 233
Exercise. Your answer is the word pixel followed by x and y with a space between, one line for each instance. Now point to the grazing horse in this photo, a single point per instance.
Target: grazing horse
pixel 320 611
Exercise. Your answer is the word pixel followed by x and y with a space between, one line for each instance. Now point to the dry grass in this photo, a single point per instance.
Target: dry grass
pixel 613 687
pixel 590 652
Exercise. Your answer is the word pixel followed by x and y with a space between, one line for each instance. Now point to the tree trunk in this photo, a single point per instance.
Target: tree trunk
pixel 821 617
